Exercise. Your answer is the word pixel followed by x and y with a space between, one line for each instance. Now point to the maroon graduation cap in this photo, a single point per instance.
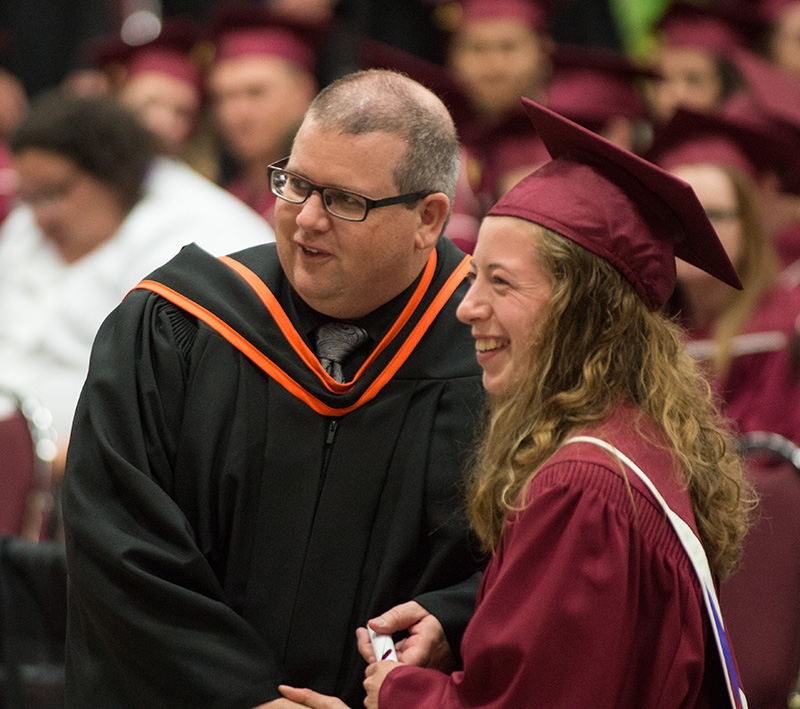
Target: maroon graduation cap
pixel 172 52
pixel 591 85
pixel 241 29
pixel 530 12
pixel 690 137
pixel 720 27
pixel 622 208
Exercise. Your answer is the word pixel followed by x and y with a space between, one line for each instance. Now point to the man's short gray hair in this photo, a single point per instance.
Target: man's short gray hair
pixel 377 100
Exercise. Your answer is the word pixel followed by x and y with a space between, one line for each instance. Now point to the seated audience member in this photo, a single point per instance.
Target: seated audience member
pixel 607 486
pixel 499 50
pixel 260 84
pixel 602 90
pixel 782 42
pixel 468 207
pixel 771 100
pixel 162 82
pixel 99 210
pixel 745 337
pixel 692 56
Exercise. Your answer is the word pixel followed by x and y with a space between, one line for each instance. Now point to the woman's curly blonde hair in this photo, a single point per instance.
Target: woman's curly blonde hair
pixel 597 346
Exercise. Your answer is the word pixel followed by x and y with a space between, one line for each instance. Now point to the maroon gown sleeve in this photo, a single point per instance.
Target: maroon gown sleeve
pixel 588 602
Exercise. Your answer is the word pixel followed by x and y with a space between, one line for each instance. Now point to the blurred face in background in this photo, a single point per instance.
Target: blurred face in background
pixel 784 44
pixel 717 194
pixel 497 61
pixel 691 79
pixel 258 101
pixel 168 106
pixel 75 210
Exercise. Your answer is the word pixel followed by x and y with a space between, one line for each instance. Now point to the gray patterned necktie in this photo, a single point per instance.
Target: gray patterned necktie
pixel 336 340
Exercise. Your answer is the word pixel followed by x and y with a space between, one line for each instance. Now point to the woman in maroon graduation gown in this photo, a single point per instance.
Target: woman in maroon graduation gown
pixel 607 486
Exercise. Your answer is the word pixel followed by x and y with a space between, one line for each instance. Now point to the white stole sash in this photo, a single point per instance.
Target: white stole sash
pixel 697 556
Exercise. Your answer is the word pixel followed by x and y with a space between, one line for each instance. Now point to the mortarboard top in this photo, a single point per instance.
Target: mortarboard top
pixel 690 138
pixel 719 27
pixel 590 85
pixel 771 100
pixel 775 89
pixel 172 52
pixel 622 208
pixel 240 29
pixel 529 12
pixel 746 110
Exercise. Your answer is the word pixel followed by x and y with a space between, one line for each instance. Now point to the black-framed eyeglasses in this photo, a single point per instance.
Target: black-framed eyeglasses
pixel 343 204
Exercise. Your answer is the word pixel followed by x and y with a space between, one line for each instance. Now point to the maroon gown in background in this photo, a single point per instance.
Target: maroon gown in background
pixel 262 202
pixel 761 391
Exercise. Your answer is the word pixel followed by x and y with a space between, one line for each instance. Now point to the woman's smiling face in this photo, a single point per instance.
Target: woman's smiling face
pixel 507 300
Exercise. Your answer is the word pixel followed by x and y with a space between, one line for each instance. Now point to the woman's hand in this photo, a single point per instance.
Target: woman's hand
pixel 375 675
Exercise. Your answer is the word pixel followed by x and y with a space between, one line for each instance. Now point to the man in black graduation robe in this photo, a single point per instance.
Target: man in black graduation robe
pixel 230 519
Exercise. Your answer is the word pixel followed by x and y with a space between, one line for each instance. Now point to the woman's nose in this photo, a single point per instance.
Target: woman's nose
pixel 473 306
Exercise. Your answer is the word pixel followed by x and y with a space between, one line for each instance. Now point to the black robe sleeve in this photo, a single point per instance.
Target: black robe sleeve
pixel 148 618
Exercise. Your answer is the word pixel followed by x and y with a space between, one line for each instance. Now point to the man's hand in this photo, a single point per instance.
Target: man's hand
pixel 426 645
pixel 304 698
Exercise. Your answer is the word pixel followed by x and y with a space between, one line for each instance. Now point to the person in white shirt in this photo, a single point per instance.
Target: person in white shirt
pixel 99 209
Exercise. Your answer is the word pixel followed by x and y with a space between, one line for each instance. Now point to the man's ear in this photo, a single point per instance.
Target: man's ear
pixel 433 211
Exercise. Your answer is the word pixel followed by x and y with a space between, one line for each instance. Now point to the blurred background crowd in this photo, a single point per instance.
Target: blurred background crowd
pixel 709 91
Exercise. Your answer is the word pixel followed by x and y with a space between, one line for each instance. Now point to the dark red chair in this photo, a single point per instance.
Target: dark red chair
pixel 27 448
pixel 761 601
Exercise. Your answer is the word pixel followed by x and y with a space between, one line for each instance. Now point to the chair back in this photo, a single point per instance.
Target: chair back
pixel 27 449
pixel 761 601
